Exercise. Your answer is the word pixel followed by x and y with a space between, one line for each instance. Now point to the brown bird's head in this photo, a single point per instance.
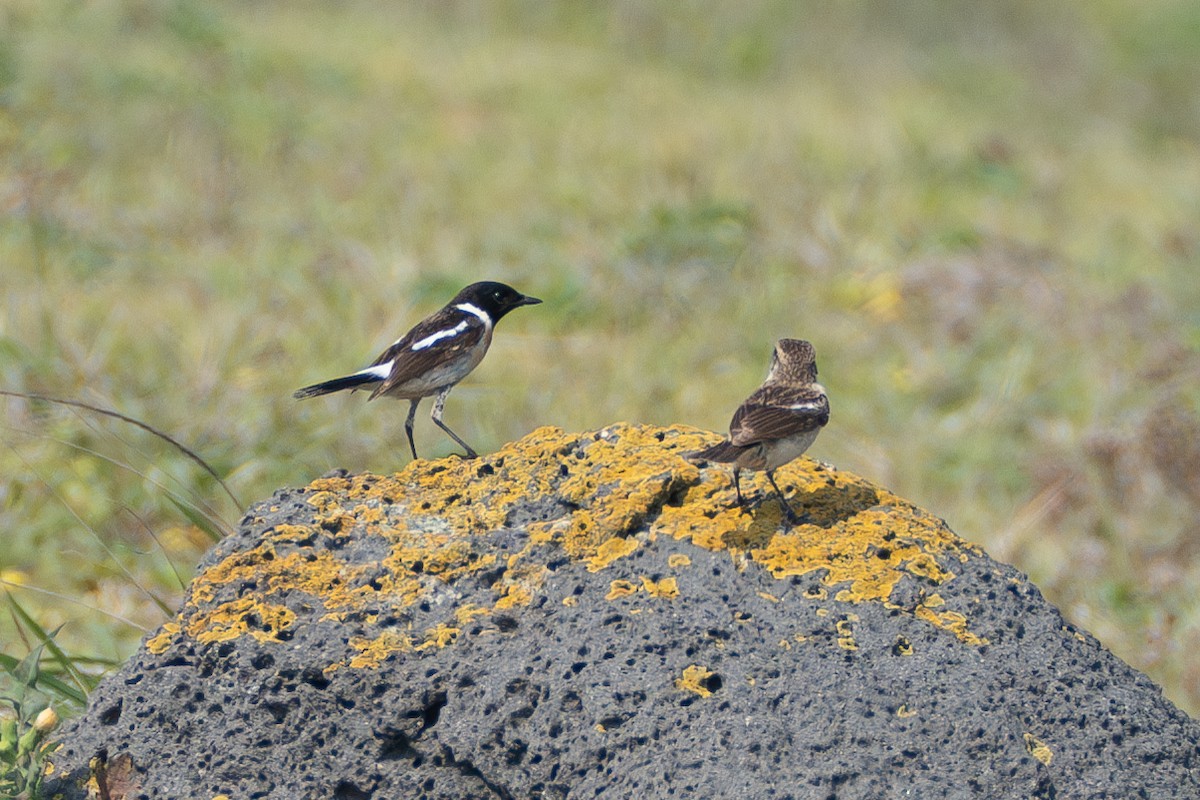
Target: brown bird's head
pixel 794 361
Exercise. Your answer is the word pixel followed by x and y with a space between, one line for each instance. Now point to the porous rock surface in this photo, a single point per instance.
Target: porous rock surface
pixel 581 615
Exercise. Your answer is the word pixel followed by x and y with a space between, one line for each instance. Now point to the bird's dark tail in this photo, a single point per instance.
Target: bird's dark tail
pixel 336 385
pixel 723 453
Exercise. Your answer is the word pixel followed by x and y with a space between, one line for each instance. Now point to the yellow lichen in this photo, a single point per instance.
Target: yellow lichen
pixel 695 679
pixel 667 588
pixel 1038 749
pixel 158 643
pixel 373 652
pixel 439 636
pixel 845 630
pixel 621 588
pixel 514 595
pixel 952 621
pixel 466 613
pixel 247 615
pixel 619 489
pixel 610 551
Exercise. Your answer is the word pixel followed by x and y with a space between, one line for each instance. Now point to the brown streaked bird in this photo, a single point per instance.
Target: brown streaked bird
pixel 778 422
pixel 436 354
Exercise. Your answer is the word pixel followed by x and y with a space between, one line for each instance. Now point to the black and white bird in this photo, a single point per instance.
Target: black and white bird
pixel 778 422
pixel 436 354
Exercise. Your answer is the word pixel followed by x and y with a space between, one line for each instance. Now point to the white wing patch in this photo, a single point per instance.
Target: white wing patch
pixel 470 308
pixel 437 337
pixel 380 371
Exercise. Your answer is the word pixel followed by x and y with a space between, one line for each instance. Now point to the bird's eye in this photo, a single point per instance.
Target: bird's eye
pixel 497 295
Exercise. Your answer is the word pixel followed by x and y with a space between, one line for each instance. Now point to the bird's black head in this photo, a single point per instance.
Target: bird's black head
pixel 494 299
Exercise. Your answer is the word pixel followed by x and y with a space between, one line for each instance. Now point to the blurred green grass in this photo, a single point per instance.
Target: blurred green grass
pixel 984 218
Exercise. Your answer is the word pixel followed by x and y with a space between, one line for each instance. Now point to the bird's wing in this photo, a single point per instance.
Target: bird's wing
pixel 777 412
pixel 436 340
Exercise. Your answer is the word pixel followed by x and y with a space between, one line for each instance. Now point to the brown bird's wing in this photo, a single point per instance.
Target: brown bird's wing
pixel 777 412
pixel 441 337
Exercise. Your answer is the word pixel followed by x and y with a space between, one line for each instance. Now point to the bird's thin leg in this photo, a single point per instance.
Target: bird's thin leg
pixel 737 486
pixel 408 424
pixel 437 418
pixel 788 511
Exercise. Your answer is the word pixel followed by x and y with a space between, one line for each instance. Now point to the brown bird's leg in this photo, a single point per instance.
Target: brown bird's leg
pixel 437 418
pixel 737 486
pixel 408 424
pixel 788 511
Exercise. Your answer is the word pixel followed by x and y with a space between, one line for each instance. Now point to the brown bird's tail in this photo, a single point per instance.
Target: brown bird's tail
pixel 724 453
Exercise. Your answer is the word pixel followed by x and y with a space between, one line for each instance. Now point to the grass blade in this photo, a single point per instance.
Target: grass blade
pixel 85 682
pixel 137 423
pixel 199 519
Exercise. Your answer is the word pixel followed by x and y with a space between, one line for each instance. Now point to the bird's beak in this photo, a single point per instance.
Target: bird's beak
pixel 526 300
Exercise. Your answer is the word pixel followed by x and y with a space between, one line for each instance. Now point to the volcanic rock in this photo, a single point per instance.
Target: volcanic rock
pixel 588 614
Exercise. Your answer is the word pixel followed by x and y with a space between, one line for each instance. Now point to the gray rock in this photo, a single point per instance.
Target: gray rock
pixel 585 614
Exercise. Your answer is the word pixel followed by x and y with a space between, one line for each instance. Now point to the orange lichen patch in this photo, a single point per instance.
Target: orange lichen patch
pixel 950 620
pixel 247 615
pixel 373 652
pixel 631 475
pixel 613 480
pixel 468 612
pixel 318 574
pixel 293 533
pixel 514 595
pixel 864 550
pixel 697 680
pixel 521 582
pixel 322 497
pixel 610 551
pixel 871 551
pixel 1038 749
pixel 445 555
pixel 926 566
pixel 845 630
pixel 379 542
pixel 621 588
pixel 704 517
pixel 477 495
pixel 439 636
pixel 161 641
pixel 666 589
